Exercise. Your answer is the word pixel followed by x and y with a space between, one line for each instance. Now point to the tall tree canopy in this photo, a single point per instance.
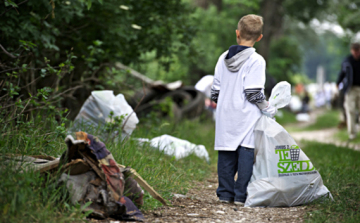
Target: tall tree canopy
pixel 97 33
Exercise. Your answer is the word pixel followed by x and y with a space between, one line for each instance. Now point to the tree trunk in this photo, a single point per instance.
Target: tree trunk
pixel 206 3
pixel 217 3
pixel 273 14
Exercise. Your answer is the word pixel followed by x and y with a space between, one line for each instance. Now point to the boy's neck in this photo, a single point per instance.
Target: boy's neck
pixel 247 43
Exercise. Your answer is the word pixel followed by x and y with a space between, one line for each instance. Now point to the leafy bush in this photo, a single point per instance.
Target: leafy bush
pixel 97 32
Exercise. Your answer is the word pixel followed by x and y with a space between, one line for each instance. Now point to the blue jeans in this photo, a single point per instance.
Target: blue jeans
pixel 230 162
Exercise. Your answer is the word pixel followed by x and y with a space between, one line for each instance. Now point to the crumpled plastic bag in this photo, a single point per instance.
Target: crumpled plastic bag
pixel 280 95
pixel 96 110
pixel 179 148
pixel 282 174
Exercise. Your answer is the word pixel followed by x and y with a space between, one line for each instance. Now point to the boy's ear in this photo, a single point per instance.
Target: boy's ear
pixel 237 33
pixel 259 38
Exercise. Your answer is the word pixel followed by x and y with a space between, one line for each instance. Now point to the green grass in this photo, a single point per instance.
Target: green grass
pixel 343 135
pixel 28 196
pixel 340 171
pixel 287 117
pixel 329 119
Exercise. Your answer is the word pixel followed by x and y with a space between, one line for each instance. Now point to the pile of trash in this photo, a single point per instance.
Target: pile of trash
pixel 90 173
pixel 186 102
pixel 103 107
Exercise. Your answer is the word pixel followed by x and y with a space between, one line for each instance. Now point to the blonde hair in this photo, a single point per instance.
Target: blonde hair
pixel 250 27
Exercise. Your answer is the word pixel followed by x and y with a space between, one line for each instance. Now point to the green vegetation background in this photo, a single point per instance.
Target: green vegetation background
pixel 54 53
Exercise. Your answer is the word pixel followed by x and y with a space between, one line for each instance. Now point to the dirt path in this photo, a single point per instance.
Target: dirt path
pixel 201 205
pixel 323 135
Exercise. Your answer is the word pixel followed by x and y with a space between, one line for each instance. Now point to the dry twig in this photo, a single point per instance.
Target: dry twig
pixel 6 52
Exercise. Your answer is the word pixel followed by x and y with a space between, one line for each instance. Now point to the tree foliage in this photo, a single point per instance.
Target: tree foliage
pixel 347 13
pixel 97 33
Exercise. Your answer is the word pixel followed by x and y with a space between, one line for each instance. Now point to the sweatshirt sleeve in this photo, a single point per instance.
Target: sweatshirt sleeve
pixel 254 82
pixel 341 75
pixel 256 96
pixel 215 88
pixel 255 77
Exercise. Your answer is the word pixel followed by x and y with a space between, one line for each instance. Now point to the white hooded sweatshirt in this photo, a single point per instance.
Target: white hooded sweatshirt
pixel 235 115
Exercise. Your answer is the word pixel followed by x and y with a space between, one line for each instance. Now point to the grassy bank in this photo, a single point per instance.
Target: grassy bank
pixel 339 168
pixel 329 119
pixel 284 117
pixel 343 135
pixel 28 196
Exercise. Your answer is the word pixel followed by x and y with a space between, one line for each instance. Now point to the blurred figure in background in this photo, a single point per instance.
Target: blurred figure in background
pixel 305 103
pixel 204 86
pixel 349 81
pixel 320 99
pixel 328 94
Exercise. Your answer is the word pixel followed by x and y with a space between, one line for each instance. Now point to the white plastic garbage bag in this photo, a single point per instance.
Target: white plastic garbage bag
pixel 96 112
pixel 280 95
pixel 179 148
pixel 282 174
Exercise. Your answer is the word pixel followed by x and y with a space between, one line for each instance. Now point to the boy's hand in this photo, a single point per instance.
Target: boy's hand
pixel 269 111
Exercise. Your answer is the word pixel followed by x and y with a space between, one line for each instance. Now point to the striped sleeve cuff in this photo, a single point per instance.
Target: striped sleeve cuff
pixel 255 95
pixel 214 95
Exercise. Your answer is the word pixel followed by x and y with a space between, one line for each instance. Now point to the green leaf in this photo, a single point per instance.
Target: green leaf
pixel 89 3
pixel 10 3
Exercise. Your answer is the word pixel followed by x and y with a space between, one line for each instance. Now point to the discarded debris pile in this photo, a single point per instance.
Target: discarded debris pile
pixel 90 173
pixel 186 102
pixel 104 107
pixel 176 147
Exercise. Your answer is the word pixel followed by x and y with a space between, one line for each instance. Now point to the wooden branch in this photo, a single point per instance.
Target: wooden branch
pixel 6 52
pixel 135 74
pixel 13 7
pixel 93 165
pixel 145 185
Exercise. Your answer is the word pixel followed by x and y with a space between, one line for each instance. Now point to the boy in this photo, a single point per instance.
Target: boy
pixel 238 91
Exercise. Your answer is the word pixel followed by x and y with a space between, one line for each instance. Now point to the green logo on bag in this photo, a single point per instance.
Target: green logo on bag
pixel 289 160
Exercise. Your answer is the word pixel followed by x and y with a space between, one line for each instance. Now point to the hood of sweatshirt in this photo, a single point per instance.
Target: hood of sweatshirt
pixel 237 61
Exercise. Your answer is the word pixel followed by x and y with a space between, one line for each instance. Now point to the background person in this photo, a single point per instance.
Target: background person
pixel 349 77
pixel 204 86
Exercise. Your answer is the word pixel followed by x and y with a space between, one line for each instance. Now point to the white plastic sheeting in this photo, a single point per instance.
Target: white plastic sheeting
pixel 282 174
pixel 96 111
pixel 179 148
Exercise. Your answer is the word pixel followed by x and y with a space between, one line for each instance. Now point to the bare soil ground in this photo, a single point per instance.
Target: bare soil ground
pixel 202 205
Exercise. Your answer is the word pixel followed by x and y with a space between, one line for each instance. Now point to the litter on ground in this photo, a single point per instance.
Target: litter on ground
pixel 104 107
pixel 90 173
pixel 179 148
